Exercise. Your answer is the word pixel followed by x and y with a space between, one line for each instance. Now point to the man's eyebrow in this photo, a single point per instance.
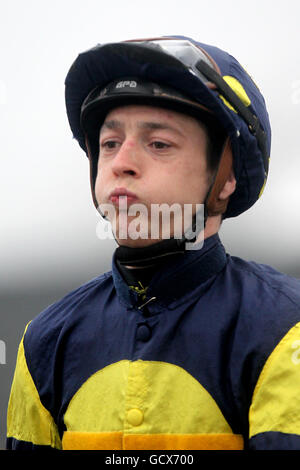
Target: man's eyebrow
pixel 157 125
pixel 112 124
pixel 152 125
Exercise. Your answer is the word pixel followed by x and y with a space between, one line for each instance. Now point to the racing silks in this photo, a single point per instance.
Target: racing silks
pixel 210 359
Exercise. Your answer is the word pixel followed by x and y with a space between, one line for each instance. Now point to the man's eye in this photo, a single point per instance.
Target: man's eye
pixel 159 145
pixel 109 144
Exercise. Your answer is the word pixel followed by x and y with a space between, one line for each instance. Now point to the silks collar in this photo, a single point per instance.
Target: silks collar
pixel 178 278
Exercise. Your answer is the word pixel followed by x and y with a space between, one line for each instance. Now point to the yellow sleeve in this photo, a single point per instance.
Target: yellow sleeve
pixel 27 419
pixel 276 400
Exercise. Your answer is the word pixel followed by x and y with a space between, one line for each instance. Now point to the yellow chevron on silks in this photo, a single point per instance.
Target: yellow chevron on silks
pixel 27 419
pixel 276 399
pixel 145 405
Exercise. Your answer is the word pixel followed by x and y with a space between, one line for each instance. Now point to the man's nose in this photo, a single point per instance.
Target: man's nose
pixel 126 161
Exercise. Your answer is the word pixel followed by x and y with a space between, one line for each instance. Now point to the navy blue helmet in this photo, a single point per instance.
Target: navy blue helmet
pixel 180 74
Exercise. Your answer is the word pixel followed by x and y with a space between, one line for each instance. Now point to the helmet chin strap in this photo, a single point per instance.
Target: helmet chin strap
pixel 159 251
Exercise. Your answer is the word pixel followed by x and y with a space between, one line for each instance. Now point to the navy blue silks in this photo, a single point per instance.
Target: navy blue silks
pixel 218 317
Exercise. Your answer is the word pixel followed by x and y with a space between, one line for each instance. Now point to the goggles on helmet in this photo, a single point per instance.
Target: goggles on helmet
pixel 183 50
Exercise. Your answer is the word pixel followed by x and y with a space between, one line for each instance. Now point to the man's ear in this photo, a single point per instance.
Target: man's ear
pixel 229 187
pixel 224 185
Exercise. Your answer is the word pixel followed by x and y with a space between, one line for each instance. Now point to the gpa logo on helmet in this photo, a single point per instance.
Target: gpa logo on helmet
pixel 126 83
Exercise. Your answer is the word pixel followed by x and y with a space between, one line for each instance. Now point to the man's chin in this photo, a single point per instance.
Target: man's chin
pixel 138 243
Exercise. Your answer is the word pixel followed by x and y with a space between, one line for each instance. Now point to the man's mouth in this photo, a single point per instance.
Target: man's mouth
pixel 121 197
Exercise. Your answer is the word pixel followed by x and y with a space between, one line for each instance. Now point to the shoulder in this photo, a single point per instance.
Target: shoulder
pixel 268 300
pixel 44 330
pixel 267 304
pixel 263 284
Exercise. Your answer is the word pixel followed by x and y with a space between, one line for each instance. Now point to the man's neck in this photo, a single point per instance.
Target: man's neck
pixel 212 226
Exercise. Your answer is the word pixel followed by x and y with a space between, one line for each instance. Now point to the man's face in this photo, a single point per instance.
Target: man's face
pixel 148 157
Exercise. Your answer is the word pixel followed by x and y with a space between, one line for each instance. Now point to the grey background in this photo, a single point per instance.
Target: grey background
pixel 48 241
